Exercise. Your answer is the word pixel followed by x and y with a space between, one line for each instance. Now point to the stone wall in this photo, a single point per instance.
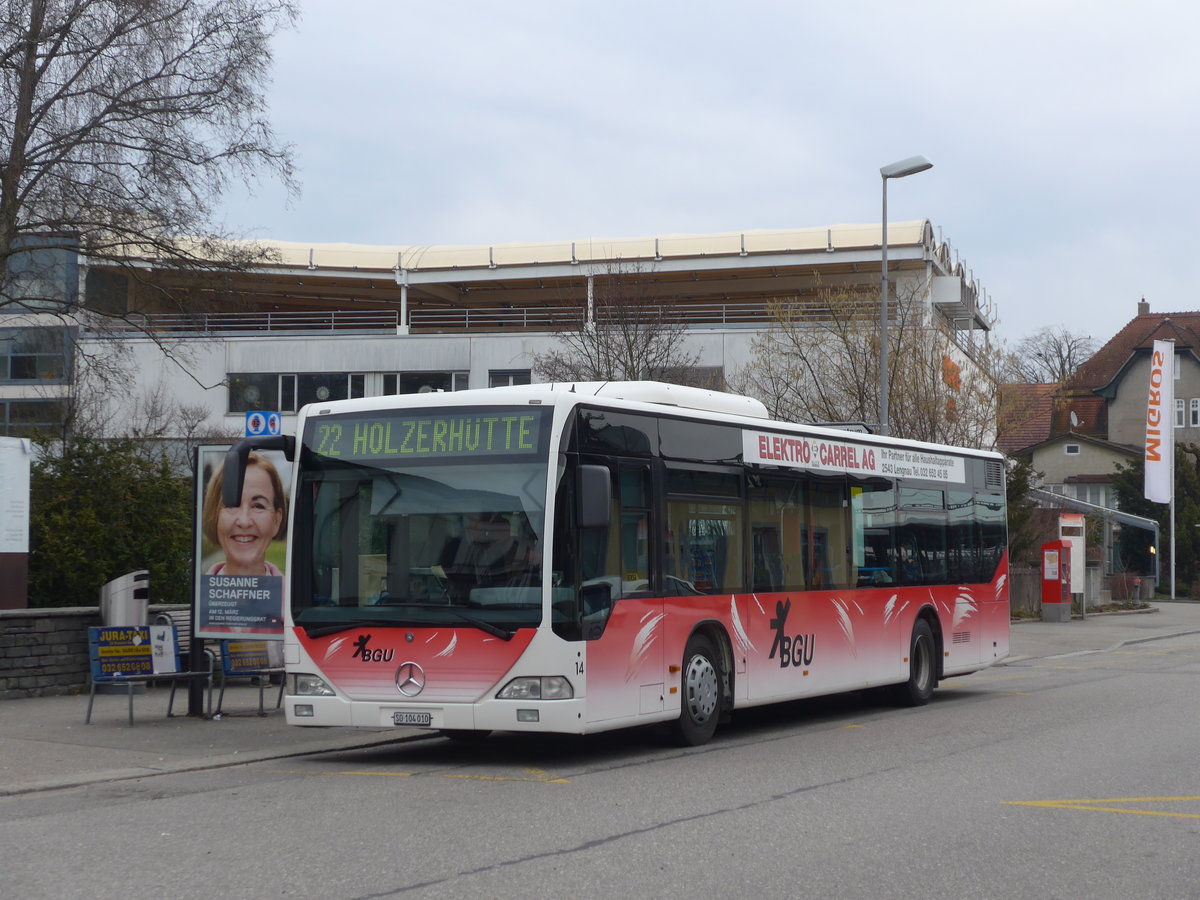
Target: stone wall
pixel 45 651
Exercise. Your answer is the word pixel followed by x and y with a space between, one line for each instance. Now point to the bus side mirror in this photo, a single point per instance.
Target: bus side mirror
pixel 233 475
pixel 595 493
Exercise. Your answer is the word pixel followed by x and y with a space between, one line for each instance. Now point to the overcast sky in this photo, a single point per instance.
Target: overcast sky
pixel 1065 136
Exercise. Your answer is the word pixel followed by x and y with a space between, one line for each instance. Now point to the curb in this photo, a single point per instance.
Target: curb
pixel 236 758
pixel 1117 646
pixel 1091 615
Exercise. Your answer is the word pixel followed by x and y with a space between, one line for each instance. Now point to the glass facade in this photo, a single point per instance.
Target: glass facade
pixel 29 355
pixel 29 418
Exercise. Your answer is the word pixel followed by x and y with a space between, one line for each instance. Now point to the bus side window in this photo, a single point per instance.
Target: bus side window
pixel 706 542
pixel 776 507
pixel 615 561
pixel 827 536
pixel 705 521
pixel 619 555
pixel 962 539
pixel 921 538
pixel 635 530
pixel 565 565
pixel 993 533
pixel 768 557
pixel 873 516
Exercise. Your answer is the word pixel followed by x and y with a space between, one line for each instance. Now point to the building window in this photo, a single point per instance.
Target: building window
pixel 1194 412
pixel 254 391
pixel 317 388
pixel 423 382
pixel 106 292
pixel 1071 449
pixel 27 418
pixel 506 377
pixel 285 392
pixel 35 354
pixel 1178 413
pixel 42 272
pixel 1095 494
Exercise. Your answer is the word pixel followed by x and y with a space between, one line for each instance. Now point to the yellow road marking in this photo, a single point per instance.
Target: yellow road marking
pixel 1091 805
pixel 534 775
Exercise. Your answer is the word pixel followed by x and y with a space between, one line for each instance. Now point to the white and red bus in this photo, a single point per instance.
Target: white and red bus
pixel 584 557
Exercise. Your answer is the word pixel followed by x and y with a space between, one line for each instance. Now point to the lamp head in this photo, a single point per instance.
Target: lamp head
pixel 905 167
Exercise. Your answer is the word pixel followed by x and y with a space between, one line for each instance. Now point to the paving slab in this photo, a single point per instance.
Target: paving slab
pixel 45 744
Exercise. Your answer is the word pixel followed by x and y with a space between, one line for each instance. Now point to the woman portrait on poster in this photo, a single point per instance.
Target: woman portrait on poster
pixel 245 532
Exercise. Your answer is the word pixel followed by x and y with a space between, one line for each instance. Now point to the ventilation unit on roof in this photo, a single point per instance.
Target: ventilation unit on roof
pixel 994 474
pixel 671 395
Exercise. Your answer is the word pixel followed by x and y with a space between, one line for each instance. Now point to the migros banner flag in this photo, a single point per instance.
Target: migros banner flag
pixel 1160 411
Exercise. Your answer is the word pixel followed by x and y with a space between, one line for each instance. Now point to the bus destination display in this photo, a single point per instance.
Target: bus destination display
pixel 429 435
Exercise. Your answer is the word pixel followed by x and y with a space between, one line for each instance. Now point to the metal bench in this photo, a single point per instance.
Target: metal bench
pixel 131 654
pixel 251 659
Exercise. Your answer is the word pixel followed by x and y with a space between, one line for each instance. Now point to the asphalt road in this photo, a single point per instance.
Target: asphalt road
pixel 1069 776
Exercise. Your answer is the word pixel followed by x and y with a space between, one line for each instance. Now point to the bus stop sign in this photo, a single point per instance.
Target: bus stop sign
pixel 261 422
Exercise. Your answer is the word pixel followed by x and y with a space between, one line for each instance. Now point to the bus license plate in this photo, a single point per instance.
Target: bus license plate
pixel 412 718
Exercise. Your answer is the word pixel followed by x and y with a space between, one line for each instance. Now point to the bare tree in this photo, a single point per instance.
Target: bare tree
pixel 1050 355
pixel 632 335
pixel 166 426
pixel 819 362
pixel 122 123
pixel 95 399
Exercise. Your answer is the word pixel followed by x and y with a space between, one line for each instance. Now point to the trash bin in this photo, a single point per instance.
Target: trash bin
pixel 126 600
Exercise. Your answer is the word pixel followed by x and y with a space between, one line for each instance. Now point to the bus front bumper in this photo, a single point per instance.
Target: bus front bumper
pixel 562 716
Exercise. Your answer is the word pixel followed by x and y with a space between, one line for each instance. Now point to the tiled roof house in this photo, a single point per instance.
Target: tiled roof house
pixel 1075 434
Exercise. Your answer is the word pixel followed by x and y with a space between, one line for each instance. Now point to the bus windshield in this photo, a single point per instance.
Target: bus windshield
pixel 450 534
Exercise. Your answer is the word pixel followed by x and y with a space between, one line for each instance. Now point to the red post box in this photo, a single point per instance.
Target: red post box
pixel 1056 581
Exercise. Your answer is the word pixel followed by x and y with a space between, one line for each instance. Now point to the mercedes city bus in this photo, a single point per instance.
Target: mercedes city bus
pixel 584 557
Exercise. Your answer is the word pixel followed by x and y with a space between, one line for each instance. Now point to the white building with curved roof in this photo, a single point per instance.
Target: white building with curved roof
pixel 325 321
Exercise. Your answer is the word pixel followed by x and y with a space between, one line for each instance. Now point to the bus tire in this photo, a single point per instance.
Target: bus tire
pixel 922 668
pixel 702 687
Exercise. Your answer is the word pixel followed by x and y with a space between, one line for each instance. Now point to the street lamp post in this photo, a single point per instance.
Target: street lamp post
pixel 901 169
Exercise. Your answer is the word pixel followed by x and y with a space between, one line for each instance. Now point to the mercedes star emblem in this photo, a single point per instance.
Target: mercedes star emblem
pixel 410 679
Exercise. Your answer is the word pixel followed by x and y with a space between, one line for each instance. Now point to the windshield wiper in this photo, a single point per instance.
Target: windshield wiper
pixel 316 630
pixel 494 630
pixel 324 630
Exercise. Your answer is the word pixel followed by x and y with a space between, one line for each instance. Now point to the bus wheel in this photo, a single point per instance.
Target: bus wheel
pixel 702 689
pixel 922 669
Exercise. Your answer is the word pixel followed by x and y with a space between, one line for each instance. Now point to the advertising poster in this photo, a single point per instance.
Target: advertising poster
pixel 240 551
pixel 15 457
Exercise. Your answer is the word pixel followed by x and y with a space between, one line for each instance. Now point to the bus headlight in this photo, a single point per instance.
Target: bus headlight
pixel 306 685
pixel 532 687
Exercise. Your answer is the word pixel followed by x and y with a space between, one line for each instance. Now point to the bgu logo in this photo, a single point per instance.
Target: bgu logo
pixel 796 650
pixel 367 655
